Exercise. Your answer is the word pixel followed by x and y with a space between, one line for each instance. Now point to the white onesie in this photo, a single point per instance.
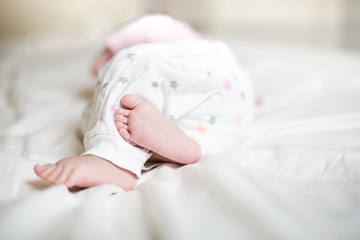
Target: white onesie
pixel 197 84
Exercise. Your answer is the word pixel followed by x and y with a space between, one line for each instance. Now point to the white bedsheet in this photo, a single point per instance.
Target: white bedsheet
pixel 297 176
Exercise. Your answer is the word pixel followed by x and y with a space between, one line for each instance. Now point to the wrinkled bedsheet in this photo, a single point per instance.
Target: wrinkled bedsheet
pixel 297 176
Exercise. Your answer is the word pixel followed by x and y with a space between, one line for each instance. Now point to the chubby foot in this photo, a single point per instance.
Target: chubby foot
pixel 85 171
pixel 140 122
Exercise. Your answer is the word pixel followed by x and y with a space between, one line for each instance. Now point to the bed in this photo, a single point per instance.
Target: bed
pixel 296 176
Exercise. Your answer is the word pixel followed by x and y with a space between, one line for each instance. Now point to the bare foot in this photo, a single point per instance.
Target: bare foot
pixel 85 171
pixel 140 122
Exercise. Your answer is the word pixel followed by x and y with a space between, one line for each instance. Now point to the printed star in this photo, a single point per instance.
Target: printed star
pixel 227 84
pixel 112 107
pixel 212 120
pixel 171 117
pixel 209 73
pixel 123 80
pixel 242 95
pixel 130 55
pixel 184 68
pixel 154 84
pixel 259 102
pixel 105 84
pixel 173 84
pixel 201 128
pixel 237 119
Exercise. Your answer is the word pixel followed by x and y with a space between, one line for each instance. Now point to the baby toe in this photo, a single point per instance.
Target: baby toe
pixel 119 125
pixel 45 170
pixel 121 118
pixel 124 133
pixel 62 176
pixel 55 174
pixel 122 111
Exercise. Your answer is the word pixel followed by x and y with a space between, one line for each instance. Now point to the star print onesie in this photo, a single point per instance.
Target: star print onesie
pixel 197 84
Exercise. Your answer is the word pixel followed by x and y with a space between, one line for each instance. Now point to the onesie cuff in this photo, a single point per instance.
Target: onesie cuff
pixel 117 151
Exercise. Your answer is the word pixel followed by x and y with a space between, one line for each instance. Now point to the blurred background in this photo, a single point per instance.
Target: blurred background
pixel 331 23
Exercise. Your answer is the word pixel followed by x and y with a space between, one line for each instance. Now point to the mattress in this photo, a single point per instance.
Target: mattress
pixel 296 176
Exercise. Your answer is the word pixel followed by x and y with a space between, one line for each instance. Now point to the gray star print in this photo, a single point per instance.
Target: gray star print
pixel 130 55
pixel 242 95
pixel 154 84
pixel 123 80
pixel 173 84
pixel 212 120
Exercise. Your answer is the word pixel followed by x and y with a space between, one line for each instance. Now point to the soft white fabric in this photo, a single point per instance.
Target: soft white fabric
pixel 196 84
pixel 295 177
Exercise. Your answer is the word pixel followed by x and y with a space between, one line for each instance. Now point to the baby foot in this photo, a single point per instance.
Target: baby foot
pixel 140 122
pixel 85 171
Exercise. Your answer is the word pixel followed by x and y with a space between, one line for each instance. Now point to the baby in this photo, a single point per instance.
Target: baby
pixel 164 93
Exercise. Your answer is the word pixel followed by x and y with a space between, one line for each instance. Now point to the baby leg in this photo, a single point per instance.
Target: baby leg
pixel 85 171
pixel 140 122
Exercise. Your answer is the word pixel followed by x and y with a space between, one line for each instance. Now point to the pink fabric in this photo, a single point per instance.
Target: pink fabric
pixel 150 28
